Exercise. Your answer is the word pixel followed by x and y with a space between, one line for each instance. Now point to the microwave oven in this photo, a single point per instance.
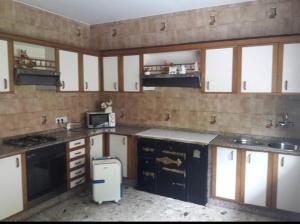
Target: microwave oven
pixel 100 120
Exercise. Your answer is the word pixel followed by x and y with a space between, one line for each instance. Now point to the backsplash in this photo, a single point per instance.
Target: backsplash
pixel 187 108
pixel 23 111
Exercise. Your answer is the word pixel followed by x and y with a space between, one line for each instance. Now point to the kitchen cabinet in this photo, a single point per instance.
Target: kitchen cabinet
pixel 291 68
pixel 96 149
pixel 68 67
pixel 4 67
pixel 226 170
pixel 131 72
pixel 256 182
pixel 110 73
pixel 11 190
pixel 257 69
pixel 288 183
pixel 91 73
pixel 118 146
pixel 218 70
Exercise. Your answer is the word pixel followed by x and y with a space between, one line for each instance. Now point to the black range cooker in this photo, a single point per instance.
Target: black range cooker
pixel 173 169
pixel 46 169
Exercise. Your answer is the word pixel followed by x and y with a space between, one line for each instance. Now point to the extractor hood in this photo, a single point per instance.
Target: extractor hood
pixel 26 76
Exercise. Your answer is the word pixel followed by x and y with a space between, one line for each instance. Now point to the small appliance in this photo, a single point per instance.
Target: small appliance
pixel 100 120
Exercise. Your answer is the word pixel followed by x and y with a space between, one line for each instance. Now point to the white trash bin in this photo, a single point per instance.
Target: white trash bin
pixel 107 179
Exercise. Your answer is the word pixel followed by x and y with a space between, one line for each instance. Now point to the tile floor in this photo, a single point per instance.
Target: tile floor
pixel 139 206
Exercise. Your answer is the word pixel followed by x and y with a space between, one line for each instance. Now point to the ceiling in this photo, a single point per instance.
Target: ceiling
pixel 103 11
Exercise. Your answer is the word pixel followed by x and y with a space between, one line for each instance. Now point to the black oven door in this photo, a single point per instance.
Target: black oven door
pixel 46 173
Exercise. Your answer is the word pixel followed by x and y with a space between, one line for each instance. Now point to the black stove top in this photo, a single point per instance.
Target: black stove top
pixel 29 140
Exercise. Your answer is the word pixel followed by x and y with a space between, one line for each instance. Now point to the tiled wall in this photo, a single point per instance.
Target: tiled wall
pixel 188 109
pixel 23 111
pixel 250 19
pixel 17 18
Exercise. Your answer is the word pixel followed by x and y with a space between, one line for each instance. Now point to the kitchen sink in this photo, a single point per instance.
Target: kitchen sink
pixel 284 145
pixel 247 141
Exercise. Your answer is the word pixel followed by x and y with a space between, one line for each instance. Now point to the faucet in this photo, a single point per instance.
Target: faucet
pixel 285 121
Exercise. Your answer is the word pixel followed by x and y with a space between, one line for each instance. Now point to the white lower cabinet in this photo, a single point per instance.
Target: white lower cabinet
pixel 11 190
pixel 288 183
pixel 256 178
pixel 226 173
pixel 96 149
pixel 118 147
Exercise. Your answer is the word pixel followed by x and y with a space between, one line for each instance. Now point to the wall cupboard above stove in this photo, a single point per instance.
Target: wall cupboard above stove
pixel 4 67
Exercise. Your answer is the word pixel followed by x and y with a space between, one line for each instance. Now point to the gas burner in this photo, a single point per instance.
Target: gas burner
pixel 29 140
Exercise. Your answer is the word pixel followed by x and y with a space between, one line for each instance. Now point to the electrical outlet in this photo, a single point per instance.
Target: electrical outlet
pixel 61 120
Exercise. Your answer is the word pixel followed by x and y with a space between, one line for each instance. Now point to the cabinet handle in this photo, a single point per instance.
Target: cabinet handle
pixel 286 84
pixel 77 143
pixel 245 85
pixel 207 85
pixel 77 153
pixel 17 162
pixel 136 85
pixel 5 83
pixel 282 162
pixel 78 163
pixel 79 172
pixel 63 84
pixel 249 158
pixel 115 85
pixel 86 85
pixel 92 141
pixel 124 141
pixel 231 155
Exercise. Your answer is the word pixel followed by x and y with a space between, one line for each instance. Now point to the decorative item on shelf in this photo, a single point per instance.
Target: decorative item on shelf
pixel 166 68
pixel 196 66
pixel 182 70
pixel 172 70
pixel 107 106
pixel 147 71
pixel 23 61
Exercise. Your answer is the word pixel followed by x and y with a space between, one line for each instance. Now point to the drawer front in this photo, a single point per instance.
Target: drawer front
pixel 76 143
pixel 77 153
pixel 76 163
pixel 77 182
pixel 77 172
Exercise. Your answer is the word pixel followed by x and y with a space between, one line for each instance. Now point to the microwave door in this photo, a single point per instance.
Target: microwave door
pixel 99 120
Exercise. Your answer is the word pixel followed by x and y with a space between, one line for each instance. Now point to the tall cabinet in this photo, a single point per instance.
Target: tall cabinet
pixel 4 67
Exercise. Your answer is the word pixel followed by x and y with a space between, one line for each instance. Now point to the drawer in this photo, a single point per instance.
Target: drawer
pixel 77 172
pixel 77 163
pixel 76 143
pixel 77 182
pixel 77 153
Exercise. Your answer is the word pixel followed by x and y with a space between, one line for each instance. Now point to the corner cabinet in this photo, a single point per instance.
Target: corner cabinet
pixel 219 70
pixel 288 183
pixel 131 73
pixel 4 67
pixel 291 68
pixel 257 69
pixel 69 71
pixel 11 188
pixel 110 74
pixel 91 77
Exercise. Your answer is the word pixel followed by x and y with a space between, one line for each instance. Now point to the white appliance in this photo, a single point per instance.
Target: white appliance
pixel 107 179
pixel 100 120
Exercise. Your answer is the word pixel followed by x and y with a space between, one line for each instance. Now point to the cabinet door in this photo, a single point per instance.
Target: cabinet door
pixel 291 68
pixel 118 147
pixel 256 182
pixel 4 67
pixel 226 173
pixel 288 184
pixel 110 73
pixel 68 66
pixel 96 149
pixel 91 73
pixel 218 70
pixel 257 69
pixel 131 73
pixel 11 191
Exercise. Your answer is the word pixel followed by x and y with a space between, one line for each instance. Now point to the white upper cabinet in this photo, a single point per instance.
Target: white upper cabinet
pixel 4 67
pixel 218 70
pixel 68 66
pixel 288 183
pixel 90 73
pixel 11 190
pixel 131 73
pixel 257 69
pixel 226 173
pixel 291 68
pixel 110 73
pixel 256 182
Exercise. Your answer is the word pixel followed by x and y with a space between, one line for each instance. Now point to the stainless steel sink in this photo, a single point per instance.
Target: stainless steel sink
pixel 285 146
pixel 246 141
